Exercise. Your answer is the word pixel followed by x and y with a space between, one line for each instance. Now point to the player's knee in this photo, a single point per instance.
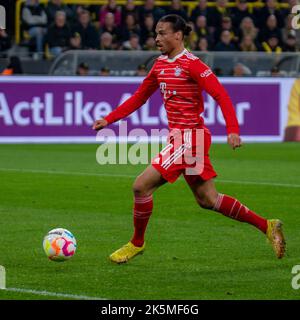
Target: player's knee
pixel 206 200
pixel 204 203
pixel 139 188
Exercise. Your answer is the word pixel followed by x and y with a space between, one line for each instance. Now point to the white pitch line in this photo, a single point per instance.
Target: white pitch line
pixel 76 173
pixel 69 173
pixel 53 294
pixel 262 183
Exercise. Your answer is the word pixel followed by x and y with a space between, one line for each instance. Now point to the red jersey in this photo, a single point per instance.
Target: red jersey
pixel 181 81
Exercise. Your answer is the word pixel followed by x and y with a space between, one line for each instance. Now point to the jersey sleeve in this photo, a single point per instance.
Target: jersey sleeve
pixel 145 90
pixel 207 81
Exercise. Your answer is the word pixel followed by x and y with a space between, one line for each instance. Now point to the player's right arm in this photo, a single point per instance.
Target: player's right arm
pixel 206 80
pixel 145 90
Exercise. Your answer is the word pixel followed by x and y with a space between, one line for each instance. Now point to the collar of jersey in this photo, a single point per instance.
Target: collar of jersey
pixel 184 51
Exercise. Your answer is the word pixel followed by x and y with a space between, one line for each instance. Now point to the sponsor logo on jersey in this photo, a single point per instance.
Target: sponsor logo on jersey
pixel 206 73
pixel 162 87
pixel 162 72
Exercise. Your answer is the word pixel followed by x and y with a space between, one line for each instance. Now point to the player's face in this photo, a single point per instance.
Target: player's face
pixel 166 39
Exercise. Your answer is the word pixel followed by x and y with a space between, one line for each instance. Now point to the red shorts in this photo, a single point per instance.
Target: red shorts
pixel 187 153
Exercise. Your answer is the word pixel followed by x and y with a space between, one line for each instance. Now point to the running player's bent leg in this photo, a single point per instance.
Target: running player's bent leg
pixel 143 188
pixel 208 198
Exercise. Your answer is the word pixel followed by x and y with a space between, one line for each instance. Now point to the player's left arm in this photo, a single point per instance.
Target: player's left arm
pixel 207 80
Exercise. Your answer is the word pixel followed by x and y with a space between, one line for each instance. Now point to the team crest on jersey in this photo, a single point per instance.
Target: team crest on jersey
pixel 178 71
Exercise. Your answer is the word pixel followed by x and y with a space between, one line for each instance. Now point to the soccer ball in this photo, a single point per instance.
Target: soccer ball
pixel 59 244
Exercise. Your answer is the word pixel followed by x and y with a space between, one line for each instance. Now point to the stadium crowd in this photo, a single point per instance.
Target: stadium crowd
pixel 58 27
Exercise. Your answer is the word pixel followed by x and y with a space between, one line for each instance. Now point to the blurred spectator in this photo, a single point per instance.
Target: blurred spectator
pixel 105 71
pixel 92 9
pixel 148 29
pixel 247 44
pixel 275 72
pixel 247 28
pixel 59 34
pixel 272 44
pixel 226 24
pixel 271 28
pixel 201 28
pixel 291 43
pixel 88 33
pixel 58 5
pixel 291 4
pixel 83 69
pixel 192 39
pixel 35 22
pixel 200 10
pixel 177 8
pixel 14 67
pixel 240 70
pixel 150 44
pixel 270 8
pixel 75 41
pixel 106 41
pixel 217 12
pixel 225 43
pixel 129 27
pixel 218 72
pixel 289 29
pixel 5 41
pixel 79 9
pixel 130 8
pixel 150 8
pixel 132 43
pixel 110 27
pixel 202 45
pixel 141 71
pixel 240 12
pixel 111 7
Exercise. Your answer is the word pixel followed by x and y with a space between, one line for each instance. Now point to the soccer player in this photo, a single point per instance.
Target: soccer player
pixel 182 77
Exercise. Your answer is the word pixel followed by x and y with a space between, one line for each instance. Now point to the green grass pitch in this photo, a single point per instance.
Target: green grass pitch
pixel 191 253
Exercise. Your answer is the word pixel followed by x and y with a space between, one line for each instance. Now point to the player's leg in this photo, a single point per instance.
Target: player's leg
pixel 207 197
pixel 147 182
pixel 144 186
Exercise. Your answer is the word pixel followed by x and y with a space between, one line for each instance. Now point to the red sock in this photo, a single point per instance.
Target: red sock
pixel 232 208
pixel 141 213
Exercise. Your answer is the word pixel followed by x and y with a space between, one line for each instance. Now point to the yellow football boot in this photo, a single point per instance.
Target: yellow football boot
pixel 276 237
pixel 125 253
